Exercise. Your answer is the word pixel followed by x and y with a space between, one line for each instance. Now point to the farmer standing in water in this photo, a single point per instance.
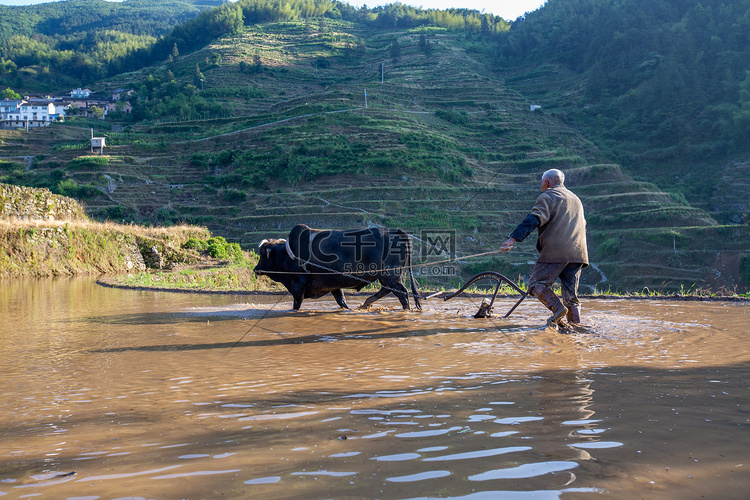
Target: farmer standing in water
pixel 558 213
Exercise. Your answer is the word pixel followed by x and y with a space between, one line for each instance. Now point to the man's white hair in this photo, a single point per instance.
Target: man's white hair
pixel 555 176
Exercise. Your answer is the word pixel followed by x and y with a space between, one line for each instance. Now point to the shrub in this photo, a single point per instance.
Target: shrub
pixel 166 214
pixel 232 179
pixel 199 160
pixel 10 171
pixel 196 244
pixel 88 162
pixel 70 188
pixel 678 197
pixel 224 158
pixel 121 213
pixel 234 196
pixel 218 248
pixel 455 117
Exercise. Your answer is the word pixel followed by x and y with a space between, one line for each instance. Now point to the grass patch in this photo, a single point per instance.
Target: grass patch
pixel 88 163
pixel 232 277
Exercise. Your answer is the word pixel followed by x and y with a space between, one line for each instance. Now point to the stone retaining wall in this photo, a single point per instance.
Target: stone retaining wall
pixel 37 204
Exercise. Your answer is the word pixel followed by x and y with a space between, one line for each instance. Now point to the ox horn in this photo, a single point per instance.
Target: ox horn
pixel 262 243
pixel 289 250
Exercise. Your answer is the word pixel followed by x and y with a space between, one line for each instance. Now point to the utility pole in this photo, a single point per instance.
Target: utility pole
pixel 365 98
pixel 381 72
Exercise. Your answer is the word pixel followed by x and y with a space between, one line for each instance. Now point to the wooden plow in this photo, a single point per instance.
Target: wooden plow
pixel 485 309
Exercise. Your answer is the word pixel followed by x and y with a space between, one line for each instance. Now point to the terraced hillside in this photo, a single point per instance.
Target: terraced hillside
pixel 713 183
pixel 334 131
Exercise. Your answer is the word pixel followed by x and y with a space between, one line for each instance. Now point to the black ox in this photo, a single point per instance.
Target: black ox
pixel 311 263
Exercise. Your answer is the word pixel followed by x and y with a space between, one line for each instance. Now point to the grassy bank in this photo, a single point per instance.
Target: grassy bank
pixel 233 277
pixel 35 248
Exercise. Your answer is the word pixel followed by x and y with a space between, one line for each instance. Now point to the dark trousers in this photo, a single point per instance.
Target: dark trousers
pixel 545 273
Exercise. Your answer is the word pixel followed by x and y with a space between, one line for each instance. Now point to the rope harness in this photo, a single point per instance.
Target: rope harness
pixel 484 310
pixel 304 263
pixel 383 269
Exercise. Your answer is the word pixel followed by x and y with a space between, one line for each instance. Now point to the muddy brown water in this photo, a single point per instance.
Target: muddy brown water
pixel 111 393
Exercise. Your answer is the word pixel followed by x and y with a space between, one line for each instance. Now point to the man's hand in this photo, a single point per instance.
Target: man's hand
pixel 507 245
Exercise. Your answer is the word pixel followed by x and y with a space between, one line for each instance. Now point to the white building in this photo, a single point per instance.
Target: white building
pixel 80 93
pixel 97 144
pixel 8 106
pixel 22 113
pixel 10 113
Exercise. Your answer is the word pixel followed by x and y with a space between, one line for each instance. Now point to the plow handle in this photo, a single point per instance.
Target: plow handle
pixel 496 276
pixel 486 274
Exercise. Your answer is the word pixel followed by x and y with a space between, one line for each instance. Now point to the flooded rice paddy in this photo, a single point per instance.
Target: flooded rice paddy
pixel 111 393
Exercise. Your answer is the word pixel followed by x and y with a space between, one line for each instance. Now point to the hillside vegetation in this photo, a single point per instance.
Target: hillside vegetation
pixel 661 86
pixel 43 234
pixel 338 122
pixel 75 42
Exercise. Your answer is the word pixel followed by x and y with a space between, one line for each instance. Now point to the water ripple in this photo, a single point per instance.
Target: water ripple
pixel 421 476
pixel 525 471
pixel 479 453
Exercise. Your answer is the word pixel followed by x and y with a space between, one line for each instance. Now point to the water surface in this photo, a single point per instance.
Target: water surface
pixel 112 393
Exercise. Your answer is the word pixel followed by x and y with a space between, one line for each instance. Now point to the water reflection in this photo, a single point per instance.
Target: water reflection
pixel 110 393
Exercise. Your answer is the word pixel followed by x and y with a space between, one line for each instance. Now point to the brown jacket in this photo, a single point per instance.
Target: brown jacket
pixel 562 233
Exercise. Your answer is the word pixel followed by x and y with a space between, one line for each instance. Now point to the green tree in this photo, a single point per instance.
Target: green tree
pixel 484 27
pixel 7 66
pixel 197 74
pixel 97 112
pixel 9 93
pixel 424 45
pixel 395 51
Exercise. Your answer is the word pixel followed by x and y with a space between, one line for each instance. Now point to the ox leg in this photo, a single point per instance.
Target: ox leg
pixel 402 293
pixel 297 302
pixel 339 296
pixel 297 294
pixel 297 289
pixel 372 298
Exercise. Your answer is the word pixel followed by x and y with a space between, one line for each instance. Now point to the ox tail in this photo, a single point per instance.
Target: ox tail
pixel 414 284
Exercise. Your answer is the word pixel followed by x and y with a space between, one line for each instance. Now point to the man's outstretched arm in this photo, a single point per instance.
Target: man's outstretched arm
pixel 524 229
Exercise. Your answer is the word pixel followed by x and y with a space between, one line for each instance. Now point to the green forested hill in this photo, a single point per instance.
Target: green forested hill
pixel 75 41
pixel 663 86
pixel 391 116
